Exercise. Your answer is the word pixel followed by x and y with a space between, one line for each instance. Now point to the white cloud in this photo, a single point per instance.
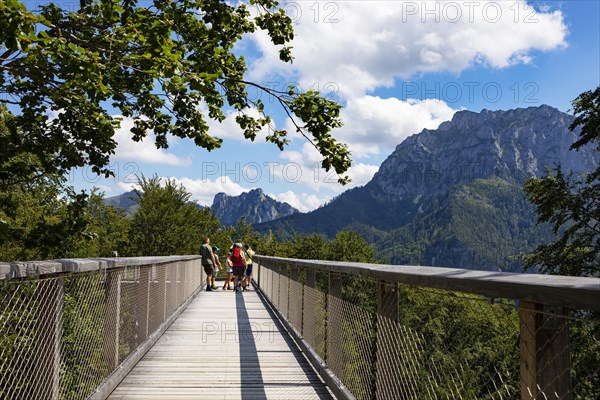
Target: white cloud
pixel 304 202
pixel 373 125
pixel 128 186
pixel 144 151
pixel 375 42
pixel 228 129
pixel 303 166
pixel 104 189
pixel 204 190
pixel 361 173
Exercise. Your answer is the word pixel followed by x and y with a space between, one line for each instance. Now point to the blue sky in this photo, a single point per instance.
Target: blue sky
pixel 397 67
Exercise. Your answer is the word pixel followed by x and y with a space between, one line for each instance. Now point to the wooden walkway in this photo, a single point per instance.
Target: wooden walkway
pixel 224 346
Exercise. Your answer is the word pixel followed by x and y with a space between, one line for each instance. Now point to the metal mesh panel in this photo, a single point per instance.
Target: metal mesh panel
pixel 62 336
pixel 284 291
pixel 562 350
pixel 157 298
pixel 275 287
pixel 271 287
pixel 314 315
pixel 385 340
pixel 27 307
pixel 266 285
pixel 296 297
pixel 453 345
pixel 128 315
pixel 351 332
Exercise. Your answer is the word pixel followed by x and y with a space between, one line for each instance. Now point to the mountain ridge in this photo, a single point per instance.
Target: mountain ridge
pixel 476 162
pixel 255 206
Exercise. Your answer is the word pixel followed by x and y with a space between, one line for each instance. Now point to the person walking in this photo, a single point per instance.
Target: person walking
pixel 238 262
pixel 229 280
pixel 249 253
pixel 208 262
pixel 217 266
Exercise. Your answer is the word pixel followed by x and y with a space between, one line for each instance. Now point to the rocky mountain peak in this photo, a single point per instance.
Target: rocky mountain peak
pixel 514 145
pixel 255 206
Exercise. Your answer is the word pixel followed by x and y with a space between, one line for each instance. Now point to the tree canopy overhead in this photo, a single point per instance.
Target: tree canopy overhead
pixel 158 62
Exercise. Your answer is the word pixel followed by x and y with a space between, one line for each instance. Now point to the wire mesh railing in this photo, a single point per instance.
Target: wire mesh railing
pixel 68 326
pixel 391 332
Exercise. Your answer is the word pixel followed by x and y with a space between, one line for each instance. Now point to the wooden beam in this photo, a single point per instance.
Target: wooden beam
pixel 11 270
pixel 387 383
pixel 566 291
pixel 545 352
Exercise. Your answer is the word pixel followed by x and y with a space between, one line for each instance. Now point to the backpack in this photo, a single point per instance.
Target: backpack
pixel 236 257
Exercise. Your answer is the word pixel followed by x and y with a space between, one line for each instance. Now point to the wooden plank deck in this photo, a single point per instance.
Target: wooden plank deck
pixel 224 346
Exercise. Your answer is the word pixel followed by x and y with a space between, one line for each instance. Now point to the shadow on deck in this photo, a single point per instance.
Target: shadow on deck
pixel 224 346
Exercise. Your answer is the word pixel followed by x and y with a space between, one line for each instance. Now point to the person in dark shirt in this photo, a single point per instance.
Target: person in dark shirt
pixel 208 262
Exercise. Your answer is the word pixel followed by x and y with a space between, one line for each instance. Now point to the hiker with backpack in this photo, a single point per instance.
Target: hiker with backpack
pixel 238 264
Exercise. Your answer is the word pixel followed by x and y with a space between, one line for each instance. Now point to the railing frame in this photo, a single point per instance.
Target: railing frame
pixel 540 339
pixel 48 333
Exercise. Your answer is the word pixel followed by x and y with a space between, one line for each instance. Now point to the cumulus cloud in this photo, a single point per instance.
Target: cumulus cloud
pixel 204 190
pixel 373 125
pixel 304 202
pixel 362 45
pixel 303 166
pixel 128 186
pixel 359 173
pixel 228 129
pixel 144 151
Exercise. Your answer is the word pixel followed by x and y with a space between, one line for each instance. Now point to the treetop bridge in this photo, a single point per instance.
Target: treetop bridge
pixel 142 328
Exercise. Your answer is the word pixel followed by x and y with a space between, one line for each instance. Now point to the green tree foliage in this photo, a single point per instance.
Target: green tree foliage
pixel 307 247
pixel 169 65
pixel 571 203
pixel 349 246
pixel 35 223
pixel 269 245
pixel 456 340
pixel 107 230
pixel 41 217
pixel 346 246
pixel 166 221
pixel 243 233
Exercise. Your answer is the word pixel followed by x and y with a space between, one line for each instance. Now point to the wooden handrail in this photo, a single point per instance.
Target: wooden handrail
pixel 13 270
pixel 566 291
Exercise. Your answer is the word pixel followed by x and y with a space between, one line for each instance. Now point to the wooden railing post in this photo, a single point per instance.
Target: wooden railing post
pixel 387 383
pixel 48 338
pixel 112 317
pixel 545 353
